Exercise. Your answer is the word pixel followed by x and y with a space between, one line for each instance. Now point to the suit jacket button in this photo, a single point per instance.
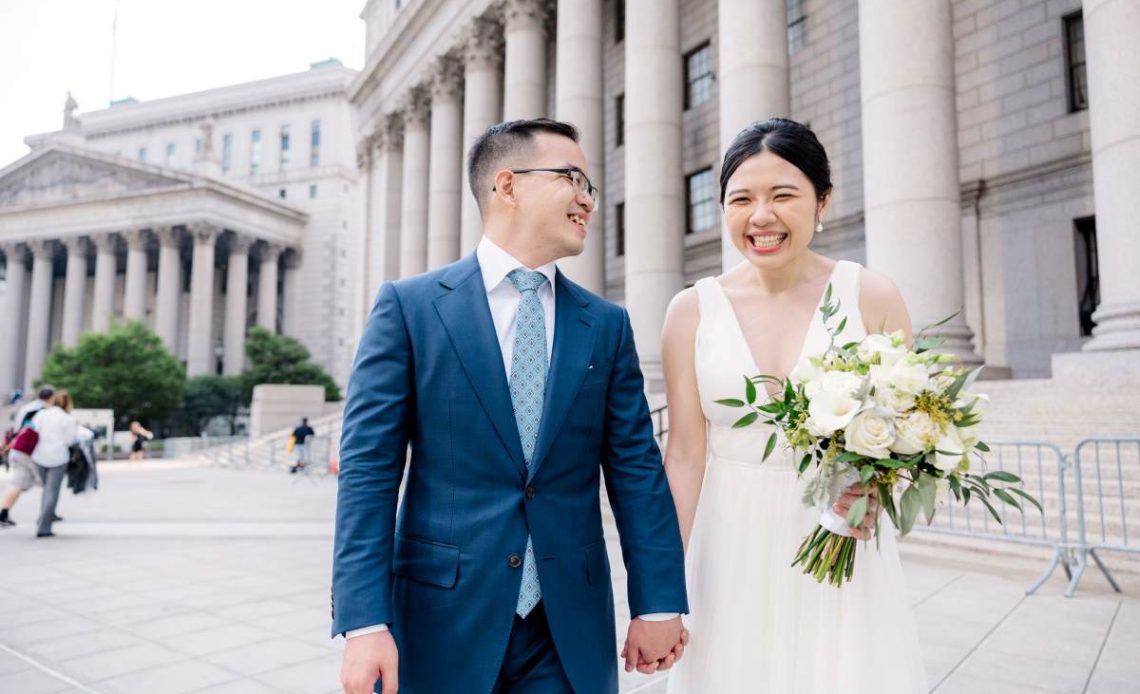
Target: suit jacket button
pixel 530 492
pixel 514 561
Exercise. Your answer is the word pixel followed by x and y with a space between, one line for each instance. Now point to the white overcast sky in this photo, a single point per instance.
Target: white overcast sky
pixel 163 48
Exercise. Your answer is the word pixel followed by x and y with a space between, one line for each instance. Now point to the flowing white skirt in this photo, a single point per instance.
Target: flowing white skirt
pixel 758 625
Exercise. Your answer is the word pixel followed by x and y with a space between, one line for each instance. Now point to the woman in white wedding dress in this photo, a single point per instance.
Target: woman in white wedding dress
pixel 757 624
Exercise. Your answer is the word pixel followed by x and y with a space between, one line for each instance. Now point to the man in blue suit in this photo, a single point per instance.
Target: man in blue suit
pixel 517 390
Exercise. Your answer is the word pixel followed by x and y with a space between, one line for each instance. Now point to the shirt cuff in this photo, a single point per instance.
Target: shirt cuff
pixel 658 616
pixel 353 633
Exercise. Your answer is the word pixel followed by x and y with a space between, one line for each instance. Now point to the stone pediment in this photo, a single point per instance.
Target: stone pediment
pixel 66 174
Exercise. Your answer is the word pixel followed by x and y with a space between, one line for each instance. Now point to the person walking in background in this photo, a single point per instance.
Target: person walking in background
pixel 24 474
pixel 301 436
pixel 141 436
pixel 58 431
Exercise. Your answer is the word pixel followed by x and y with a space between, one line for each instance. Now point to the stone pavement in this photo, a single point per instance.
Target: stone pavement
pixel 184 579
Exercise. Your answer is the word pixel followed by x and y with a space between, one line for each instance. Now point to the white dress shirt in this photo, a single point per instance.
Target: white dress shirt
pixel 503 300
pixel 57 430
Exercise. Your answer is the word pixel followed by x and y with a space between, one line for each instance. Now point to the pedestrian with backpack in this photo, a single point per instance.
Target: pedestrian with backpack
pixel 24 472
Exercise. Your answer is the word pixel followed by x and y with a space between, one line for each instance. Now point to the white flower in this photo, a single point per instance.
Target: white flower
pixel 888 347
pixel 832 402
pixel 805 372
pixel 943 491
pixel 834 382
pixel 914 433
pixel 968 436
pixel 950 451
pixel 871 433
pixel 897 386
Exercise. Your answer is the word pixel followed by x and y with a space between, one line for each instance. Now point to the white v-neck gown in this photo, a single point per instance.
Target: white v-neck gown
pixel 757 624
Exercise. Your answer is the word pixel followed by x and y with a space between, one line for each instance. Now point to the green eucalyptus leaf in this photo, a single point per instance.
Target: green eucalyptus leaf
pixel 771 446
pixel 911 503
pixel 804 463
pixel 1007 498
pixel 749 390
pixel 990 506
pixel 1027 497
pixel 1002 476
pixel 730 402
pixel 746 420
pixel 928 492
pixel 866 473
pixel 857 511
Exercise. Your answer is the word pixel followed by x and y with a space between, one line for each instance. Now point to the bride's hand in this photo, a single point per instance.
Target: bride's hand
pixel 866 530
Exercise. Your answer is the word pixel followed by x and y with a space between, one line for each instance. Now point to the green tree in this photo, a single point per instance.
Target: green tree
pixel 126 369
pixel 206 397
pixel 282 359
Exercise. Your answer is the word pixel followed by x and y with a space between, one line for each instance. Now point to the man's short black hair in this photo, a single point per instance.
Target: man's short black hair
pixel 46 392
pixel 502 141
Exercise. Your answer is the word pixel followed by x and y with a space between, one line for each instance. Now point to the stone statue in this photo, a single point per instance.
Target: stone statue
pixel 70 120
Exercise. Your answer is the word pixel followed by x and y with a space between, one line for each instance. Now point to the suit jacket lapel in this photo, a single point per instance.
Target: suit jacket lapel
pixel 573 345
pixel 466 317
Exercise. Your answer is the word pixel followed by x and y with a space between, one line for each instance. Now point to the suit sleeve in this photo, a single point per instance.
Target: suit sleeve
pixel 373 449
pixel 639 492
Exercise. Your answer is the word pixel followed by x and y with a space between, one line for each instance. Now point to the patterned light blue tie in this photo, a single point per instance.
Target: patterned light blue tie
pixel 528 386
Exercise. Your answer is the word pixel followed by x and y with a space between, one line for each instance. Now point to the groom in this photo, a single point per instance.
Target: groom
pixel 516 390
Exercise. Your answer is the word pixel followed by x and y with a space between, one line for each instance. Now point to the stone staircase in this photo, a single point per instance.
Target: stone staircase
pixel 269 450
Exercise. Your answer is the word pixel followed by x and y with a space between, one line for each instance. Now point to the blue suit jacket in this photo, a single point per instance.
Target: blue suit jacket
pixel 429 372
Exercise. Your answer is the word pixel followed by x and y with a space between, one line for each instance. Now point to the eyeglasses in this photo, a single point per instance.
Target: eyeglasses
pixel 578 179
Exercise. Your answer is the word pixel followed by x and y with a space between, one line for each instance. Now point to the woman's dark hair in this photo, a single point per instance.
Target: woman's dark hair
pixel 793 142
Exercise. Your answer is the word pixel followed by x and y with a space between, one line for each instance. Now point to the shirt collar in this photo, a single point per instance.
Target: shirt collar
pixel 496 264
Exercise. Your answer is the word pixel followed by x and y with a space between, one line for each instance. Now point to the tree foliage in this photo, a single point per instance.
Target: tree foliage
pixel 282 359
pixel 126 369
pixel 206 397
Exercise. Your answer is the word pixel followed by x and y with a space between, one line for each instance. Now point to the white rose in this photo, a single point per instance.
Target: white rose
pixel 828 412
pixel 914 433
pixel 888 347
pixel 897 386
pixel 950 451
pixel 870 433
pixel 842 383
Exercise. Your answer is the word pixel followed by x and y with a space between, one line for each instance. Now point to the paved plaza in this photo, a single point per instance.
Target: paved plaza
pixel 188 579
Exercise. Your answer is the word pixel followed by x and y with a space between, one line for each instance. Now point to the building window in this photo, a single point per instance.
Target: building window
pixel 797 26
pixel 142 153
pixel 619 229
pixel 284 139
pixel 1088 274
pixel 700 201
pixel 197 146
pixel 619 21
pixel 315 143
pixel 1075 62
pixel 313 190
pixel 281 193
pixel 254 151
pixel 227 152
pixel 619 118
pixel 170 161
pixel 698 75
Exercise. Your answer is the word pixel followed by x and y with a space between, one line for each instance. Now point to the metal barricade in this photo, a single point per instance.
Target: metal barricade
pixel 1042 467
pixel 1107 472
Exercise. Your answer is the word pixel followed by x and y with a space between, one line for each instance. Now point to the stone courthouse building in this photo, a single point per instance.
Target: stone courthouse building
pixel 984 153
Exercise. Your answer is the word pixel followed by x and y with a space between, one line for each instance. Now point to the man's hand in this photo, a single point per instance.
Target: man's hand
pixel 866 530
pixel 653 646
pixel 367 658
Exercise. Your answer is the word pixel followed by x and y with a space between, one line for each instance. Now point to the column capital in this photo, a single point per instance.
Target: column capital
pixel 42 248
pixel 135 239
pixel 105 243
pixel 390 133
pixel 364 152
pixel 414 109
pixel 447 80
pixel 269 252
pixel 167 236
pixel 203 232
pixel 240 243
pixel 291 257
pixel 525 14
pixel 482 46
pixel 76 245
pixel 15 251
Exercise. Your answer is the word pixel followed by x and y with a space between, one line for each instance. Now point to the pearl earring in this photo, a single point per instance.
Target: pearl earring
pixel 818 227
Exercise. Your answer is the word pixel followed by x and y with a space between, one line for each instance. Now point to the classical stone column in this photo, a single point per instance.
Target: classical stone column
pixel 578 99
pixel 74 289
pixel 134 293
pixel 267 287
pixel 482 108
pixel 654 179
pixel 290 296
pixel 910 161
pixel 237 281
pixel 445 172
pixel 104 301
pixel 414 202
pixel 524 78
pixel 1112 47
pixel 388 163
pixel 169 287
pixel 752 79
pixel 16 256
pixel 199 348
pixel 39 310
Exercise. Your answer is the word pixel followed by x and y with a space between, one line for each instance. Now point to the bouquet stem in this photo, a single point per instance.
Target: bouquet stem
pixel 827 556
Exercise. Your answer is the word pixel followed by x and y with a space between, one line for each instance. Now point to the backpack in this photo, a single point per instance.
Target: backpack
pixel 25 441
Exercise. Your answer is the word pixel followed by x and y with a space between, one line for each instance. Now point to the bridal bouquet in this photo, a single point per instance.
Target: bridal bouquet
pixel 899 422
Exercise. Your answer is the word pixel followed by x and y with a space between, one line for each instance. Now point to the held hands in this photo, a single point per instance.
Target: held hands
pixel 367 658
pixel 866 530
pixel 653 646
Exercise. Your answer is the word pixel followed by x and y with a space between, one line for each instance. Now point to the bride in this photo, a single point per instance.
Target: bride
pixel 757 624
